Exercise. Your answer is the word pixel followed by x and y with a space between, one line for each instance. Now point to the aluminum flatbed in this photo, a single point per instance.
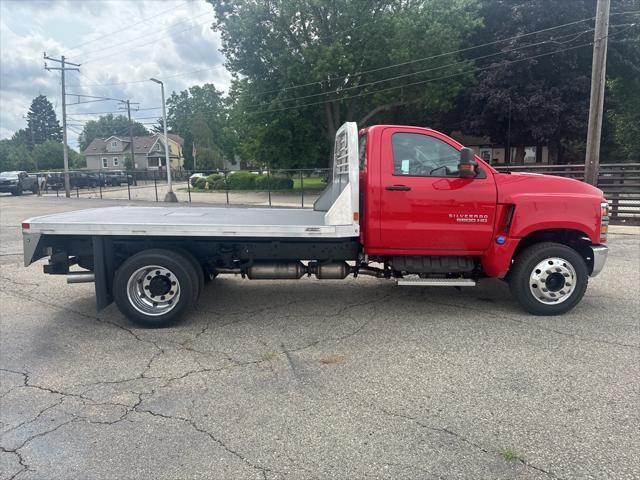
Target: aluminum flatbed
pixel 193 221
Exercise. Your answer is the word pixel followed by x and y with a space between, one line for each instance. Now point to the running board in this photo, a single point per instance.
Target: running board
pixel 436 282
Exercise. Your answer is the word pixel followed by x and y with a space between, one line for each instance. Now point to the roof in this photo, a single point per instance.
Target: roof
pixel 141 145
pixel 176 138
pixel 470 139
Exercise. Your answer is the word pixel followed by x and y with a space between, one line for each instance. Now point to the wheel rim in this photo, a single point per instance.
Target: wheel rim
pixel 153 290
pixel 552 281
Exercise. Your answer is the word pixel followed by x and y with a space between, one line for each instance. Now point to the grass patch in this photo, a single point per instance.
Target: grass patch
pixel 509 454
pixel 268 356
pixel 310 183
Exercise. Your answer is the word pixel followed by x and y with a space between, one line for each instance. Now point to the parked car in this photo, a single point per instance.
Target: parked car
pixel 17 182
pixel 116 178
pixel 55 180
pixel 194 177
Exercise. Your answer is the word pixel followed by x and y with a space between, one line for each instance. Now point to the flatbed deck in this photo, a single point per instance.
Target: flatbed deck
pixel 192 221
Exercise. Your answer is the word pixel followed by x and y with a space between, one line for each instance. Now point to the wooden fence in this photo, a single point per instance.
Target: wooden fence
pixel 620 183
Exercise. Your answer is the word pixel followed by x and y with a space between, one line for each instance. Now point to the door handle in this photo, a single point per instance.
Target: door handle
pixel 398 187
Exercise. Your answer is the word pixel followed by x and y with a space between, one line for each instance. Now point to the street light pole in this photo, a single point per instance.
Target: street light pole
pixel 170 196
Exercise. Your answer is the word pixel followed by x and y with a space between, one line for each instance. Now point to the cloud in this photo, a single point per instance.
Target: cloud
pixel 119 45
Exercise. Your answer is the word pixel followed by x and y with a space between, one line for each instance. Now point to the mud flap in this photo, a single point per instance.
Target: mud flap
pixel 103 264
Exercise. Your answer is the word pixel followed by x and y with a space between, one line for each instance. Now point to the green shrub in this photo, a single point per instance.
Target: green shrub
pixel 218 185
pixel 242 181
pixel 200 182
pixel 274 182
pixel 214 177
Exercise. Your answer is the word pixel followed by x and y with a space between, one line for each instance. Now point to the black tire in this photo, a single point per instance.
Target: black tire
pixel 522 284
pixel 176 263
pixel 17 191
pixel 197 271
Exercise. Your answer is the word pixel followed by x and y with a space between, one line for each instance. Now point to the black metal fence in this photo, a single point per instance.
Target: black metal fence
pixel 620 183
pixel 270 187
pixel 297 187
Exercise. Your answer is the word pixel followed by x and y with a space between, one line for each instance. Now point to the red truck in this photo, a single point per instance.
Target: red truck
pixel 405 204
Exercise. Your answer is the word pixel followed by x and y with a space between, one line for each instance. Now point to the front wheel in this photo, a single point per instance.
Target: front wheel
pixel 548 278
pixel 154 288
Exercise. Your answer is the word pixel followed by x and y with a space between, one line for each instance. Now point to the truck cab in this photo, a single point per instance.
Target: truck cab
pixel 405 204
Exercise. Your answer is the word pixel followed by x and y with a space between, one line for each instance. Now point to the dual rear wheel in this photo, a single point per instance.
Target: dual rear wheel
pixel 155 287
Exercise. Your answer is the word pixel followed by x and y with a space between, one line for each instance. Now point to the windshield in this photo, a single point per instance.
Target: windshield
pixel 9 175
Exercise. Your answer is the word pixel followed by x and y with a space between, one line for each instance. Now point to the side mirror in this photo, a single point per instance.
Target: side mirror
pixel 467 165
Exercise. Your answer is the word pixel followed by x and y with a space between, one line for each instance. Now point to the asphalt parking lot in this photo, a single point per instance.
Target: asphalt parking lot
pixel 348 379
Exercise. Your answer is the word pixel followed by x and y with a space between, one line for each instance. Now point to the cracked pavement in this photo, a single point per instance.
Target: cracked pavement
pixel 288 380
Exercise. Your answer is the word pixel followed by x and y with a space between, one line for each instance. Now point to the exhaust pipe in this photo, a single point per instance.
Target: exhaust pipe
pixel 81 277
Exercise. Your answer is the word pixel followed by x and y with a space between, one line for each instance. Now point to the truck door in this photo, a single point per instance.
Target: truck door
pixel 425 205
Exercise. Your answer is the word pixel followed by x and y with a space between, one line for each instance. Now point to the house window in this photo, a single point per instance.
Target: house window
pixel 114 143
pixel 105 163
pixel 115 161
pixel 153 162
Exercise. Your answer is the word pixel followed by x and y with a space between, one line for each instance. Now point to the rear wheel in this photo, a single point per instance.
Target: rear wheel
pixel 155 287
pixel 548 278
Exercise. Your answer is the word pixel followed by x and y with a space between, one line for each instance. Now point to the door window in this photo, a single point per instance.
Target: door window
pixel 418 155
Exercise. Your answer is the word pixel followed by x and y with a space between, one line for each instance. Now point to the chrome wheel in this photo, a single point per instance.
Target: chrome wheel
pixel 553 280
pixel 153 290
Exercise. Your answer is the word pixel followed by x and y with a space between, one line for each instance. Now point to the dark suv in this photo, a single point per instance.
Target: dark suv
pixel 117 177
pixel 17 182
pixel 55 180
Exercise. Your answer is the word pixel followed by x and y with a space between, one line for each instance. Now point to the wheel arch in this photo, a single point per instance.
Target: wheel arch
pixel 498 259
pixel 573 238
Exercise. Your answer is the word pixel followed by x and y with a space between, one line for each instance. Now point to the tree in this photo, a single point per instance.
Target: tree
pixel 549 95
pixel 622 126
pixel 199 115
pixel 14 156
pixel 107 126
pixel 42 123
pixel 303 67
pixel 49 156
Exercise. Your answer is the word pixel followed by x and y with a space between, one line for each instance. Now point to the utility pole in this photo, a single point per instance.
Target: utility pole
pixel 133 162
pixel 63 68
pixel 598 77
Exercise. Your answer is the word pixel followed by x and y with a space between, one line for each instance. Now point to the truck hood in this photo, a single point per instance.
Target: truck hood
pixel 544 202
pixel 512 185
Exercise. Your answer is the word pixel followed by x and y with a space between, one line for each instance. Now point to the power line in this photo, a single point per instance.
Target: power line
pixel 426 81
pixel 115 111
pixel 401 86
pixel 434 79
pixel 97 84
pixel 128 26
pixel 155 40
pixel 179 74
pixel 494 42
pixel 128 42
pixel 459 62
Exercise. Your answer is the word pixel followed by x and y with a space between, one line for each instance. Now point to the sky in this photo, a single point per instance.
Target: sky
pixel 119 45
